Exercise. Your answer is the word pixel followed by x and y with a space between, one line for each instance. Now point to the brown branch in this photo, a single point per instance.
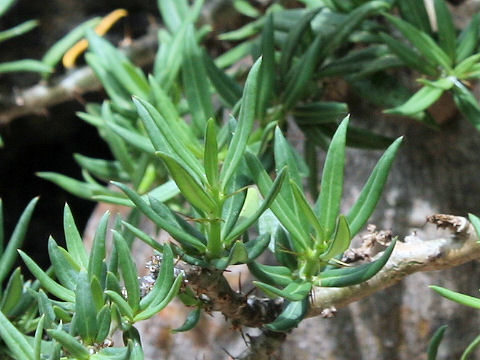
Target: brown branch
pixel 412 255
pixel 37 99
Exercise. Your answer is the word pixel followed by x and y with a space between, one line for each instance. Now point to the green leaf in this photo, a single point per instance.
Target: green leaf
pixel 414 12
pixel 468 39
pixel 37 341
pixel 18 30
pixel 45 308
pixel 319 112
pixel 166 137
pixel 243 226
pixel 467 104
pixel 73 239
pixel 422 42
pixel 305 210
pixel 48 284
pixel 274 275
pixel 164 280
pixel 292 314
pixel 266 76
pixel 328 203
pixel 463 299
pixel 190 322
pixel 55 53
pixel 283 249
pixel 13 292
pixel 435 342
pixel 15 340
pixel 245 8
pixel 195 82
pixel 5 5
pixel 159 305
pixel 294 38
pixel 354 275
pixel 295 291
pixel 25 65
pixel 65 268
pixel 189 187
pixel 368 199
pixel 470 348
pixel 235 54
pixel 279 207
pixel 104 319
pixel 340 242
pixel 226 87
pixel 257 246
pixel 71 344
pixel 446 29
pixel 75 187
pixel 178 234
pixel 122 304
pixel 210 157
pixel 96 263
pixel 236 150
pixel 103 169
pixel 85 310
pixel 16 240
pixel 129 271
pixel 420 101
pixel 476 224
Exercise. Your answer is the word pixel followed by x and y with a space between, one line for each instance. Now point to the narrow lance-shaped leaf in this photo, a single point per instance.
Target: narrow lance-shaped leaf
pixel 269 198
pixel 70 343
pixel 73 239
pixel 340 241
pixel 476 224
pixel 244 127
pixel 328 203
pixel 435 342
pixel 463 299
pixel 368 199
pixel 129 271
pixel 266 78
pixel 211 153
pixel 85 311
pixel 96 264
pixel 295 291
pixel 446 29
pixel 18 236
pixel 468 40
pixel 190 322
pixel 196 82
pixel 15 340
pixel 178 234
pixel 306 210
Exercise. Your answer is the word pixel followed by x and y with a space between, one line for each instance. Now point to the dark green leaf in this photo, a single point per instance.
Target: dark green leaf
pixel 283 249
pixel 257 246
pixel 73 239
pixel 65 267
pixel 71 344
pixel 354 275
pixel 292 314
pixel 274 275
pixel 435 342
pixel 414 12
pixel 446 29
pixel 85 310
pixel 96 263
pixel 295 291
pixel 468 39
pixel 266 77
pixel 190 322
pixel 13 292
pixel 340 242
pixel 15 340
pixel 467 104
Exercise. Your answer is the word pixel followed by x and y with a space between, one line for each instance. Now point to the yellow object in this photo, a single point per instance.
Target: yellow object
pixel 76 50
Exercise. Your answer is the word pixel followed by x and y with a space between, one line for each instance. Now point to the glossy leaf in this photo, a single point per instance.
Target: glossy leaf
pixel 368 199
pixel 274 275
pixel 354 275
pixel 292 314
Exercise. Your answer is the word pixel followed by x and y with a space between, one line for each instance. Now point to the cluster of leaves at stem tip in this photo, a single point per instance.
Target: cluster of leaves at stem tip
pixel 207 182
